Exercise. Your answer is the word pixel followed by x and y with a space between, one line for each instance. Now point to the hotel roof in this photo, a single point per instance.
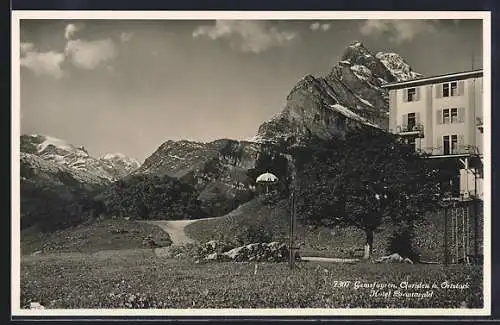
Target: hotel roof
pixel 435 79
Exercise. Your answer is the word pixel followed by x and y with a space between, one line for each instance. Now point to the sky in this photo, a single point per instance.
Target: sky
pixel 129 85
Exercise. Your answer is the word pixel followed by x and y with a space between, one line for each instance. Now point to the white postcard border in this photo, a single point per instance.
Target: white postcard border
pixel 254 15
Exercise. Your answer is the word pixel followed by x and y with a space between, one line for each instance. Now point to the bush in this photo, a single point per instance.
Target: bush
pixel 401 242
pixel 149 197
pixel 257 234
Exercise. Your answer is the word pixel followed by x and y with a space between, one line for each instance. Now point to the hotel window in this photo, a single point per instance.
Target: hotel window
pixel 412 121
pixel 450 144
pixel 412 94
pixel 450 115
pixel 450 89
pixel 446 116
pixel 454 115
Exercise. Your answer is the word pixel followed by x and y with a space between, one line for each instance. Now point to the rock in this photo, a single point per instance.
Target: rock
pixel 408 261
pixel 393 258
pixel 36 305
pixel 235 252
pixel 211 257
pixel 256 252
pixel 213 246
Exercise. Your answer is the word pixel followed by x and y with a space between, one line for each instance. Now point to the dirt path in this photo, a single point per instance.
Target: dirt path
pixel 175 229
pixel 329 259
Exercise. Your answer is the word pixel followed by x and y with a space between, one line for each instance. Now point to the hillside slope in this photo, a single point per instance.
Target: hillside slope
pixel 256 221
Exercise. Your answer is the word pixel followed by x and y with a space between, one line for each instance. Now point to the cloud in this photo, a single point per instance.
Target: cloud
pixel 26 47
pixel 325 27
pixel 126 36
pixel 246 35
pixel 81 53
pixel 41 63
pixel 314 26
pixel 317 26
pixel 71 29
pixel 397 31
pixel 89 54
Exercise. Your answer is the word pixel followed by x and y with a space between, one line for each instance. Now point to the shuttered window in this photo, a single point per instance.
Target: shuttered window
pixel 439 91
pixel 446 116
pixel 446 145
pixel 411 94
pixel 452 144
pixel 439 116
pixel 411 121
pixel 451 115
pixel 461 114
pixel 450 89
pixel 454 115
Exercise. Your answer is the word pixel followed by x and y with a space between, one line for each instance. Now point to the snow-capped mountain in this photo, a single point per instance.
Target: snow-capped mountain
pixel 119 165
pixel 108 168
pixel 397 66
pixel 350 95
pixel 36 169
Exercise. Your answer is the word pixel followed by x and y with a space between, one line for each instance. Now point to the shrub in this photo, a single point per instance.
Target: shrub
pixel 401 242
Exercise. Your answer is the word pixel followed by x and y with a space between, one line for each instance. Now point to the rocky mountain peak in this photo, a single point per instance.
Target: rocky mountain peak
pixel 397 66
pixel 351 92
pixel 358 56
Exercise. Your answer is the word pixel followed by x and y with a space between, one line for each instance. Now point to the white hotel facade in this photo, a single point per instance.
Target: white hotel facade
pixel 443 117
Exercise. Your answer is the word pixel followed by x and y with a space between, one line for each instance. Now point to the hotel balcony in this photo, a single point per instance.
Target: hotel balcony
pixel 416 130
pixel 456 151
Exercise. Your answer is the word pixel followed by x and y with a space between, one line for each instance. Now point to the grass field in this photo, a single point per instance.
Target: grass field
pixel 143 281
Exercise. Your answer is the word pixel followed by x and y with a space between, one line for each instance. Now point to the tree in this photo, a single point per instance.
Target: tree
pixel 366 180
pixel 150 197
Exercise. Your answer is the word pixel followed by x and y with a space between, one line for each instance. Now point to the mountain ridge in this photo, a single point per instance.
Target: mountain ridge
pixel 109 167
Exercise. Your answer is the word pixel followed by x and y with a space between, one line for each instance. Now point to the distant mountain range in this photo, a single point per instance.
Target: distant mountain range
pixel 76 160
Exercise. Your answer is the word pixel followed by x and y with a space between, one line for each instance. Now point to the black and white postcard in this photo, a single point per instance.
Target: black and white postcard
pixel 251 163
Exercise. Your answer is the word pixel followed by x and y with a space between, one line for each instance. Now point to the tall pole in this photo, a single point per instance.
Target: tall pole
pixel 476 218
pixel 294 223
pixel 291 244
pixel 292 214
pixel 464 239
pixel 445 235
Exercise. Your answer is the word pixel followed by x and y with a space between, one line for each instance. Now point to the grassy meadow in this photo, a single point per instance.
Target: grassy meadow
pixel 141 280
